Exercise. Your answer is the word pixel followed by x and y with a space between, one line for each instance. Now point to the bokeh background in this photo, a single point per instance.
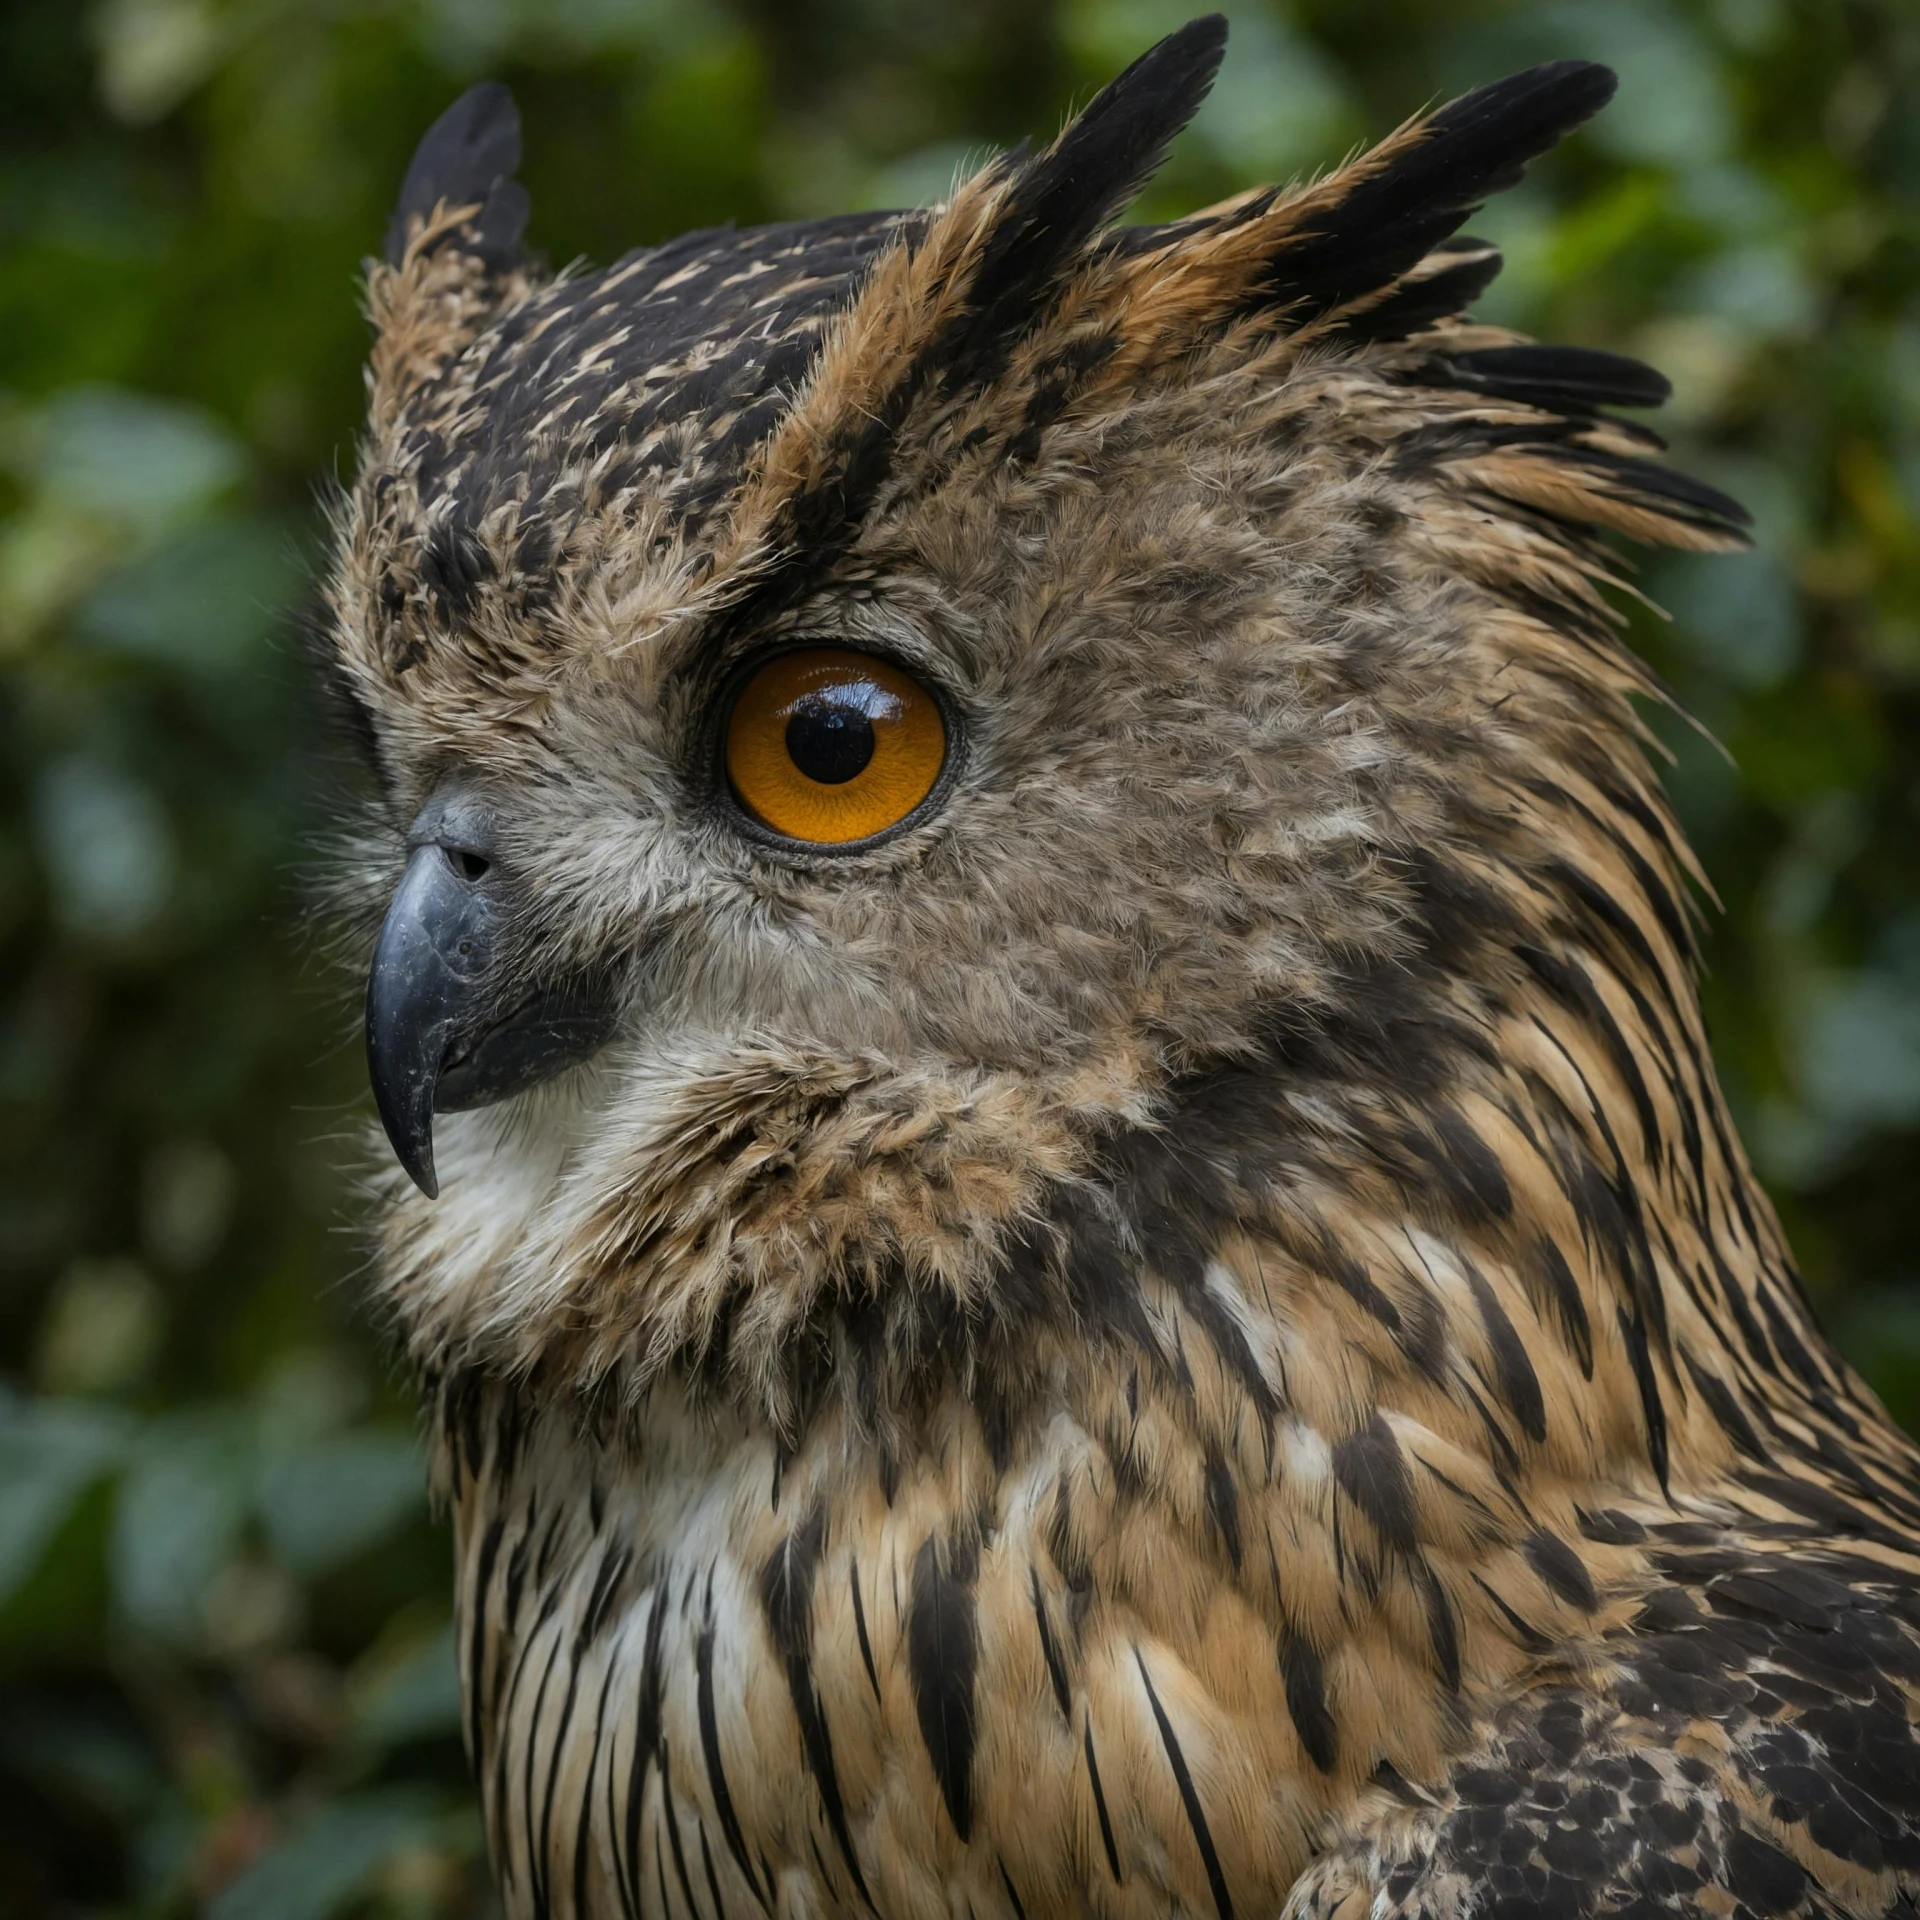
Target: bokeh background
pixel 225 1676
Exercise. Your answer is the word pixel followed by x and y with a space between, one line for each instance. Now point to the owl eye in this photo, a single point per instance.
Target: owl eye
pixel 829 746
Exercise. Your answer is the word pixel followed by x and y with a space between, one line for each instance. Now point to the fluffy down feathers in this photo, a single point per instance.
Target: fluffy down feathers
pixel 1188 1334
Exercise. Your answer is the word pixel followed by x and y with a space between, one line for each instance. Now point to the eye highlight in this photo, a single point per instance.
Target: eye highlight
pixel 829 746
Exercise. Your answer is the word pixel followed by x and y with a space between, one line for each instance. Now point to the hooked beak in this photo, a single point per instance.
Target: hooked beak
pixel 446 1029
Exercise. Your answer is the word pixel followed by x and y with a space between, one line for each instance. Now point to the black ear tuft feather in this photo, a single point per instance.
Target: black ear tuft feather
pixel 468 157
pixel 1063 197
pixel 1680 495
pixel 1416 303
pixel 1566 379
pixel 1477 145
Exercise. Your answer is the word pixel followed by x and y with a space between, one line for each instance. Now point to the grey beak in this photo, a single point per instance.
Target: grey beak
pixel 436 949
pixel 445 1030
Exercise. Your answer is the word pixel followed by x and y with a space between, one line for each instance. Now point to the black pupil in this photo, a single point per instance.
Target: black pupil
pixel 829 739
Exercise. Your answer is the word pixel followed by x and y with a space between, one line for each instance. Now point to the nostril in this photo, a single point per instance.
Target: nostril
pixel 471 867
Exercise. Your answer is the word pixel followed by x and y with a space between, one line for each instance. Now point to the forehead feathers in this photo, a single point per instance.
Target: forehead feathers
pixel 705 429
pixel 662 374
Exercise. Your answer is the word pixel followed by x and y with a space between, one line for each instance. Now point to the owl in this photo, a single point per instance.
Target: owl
pixel 1055 1178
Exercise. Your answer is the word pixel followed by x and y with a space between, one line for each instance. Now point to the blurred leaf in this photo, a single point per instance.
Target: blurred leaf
pixel 47 558
pixel 320 1868
pixel 1796 744
pixel 1736 612
pixel 1279 105
pixel 180 1509
pixel 101 1329
pixel 51 1451
pixel 327 1502
pixel 1760 290
pixel 155 52
pixel 128 457
pixel 101 1763
pixel 1882 1327
pixel 109 848
pixel 1860 1048
pixel 1545 254
pixel 1672 108
pixel 204 600
pixel 417 1698
pixel 186 1201
pixel 921 178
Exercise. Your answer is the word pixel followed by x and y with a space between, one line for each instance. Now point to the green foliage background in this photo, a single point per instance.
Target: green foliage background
pixel 225 1678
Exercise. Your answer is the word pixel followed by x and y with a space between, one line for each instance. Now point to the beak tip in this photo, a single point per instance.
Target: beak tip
pixel 405 1106
pixel 408 1125
pixel 420 1170
pixel 413 1148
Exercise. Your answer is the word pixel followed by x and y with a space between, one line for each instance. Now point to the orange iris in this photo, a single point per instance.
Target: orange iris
pixel 831 746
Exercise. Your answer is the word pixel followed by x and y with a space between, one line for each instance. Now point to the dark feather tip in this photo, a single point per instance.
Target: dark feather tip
pixel 1111 147
pixel 468 158
pixel 1481 143
pixel 1063 197
pixel 1474 146
pixel 1415 304
pixel 1571 379
pixel 1114 145
pixel 1683 496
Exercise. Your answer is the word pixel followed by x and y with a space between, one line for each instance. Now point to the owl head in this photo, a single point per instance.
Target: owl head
pixel 866 709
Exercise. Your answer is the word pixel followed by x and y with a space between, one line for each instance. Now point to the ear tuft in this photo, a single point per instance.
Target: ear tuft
pixel 1428 181
pixel 467 159
pixel 1569 380
pixel 1060 199
pixel 1448 281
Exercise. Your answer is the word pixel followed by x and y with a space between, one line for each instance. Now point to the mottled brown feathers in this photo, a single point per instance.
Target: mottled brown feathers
pixel 1188 1334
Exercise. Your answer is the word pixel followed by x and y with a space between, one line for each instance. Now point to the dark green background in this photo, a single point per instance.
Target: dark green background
pixel 224 1670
